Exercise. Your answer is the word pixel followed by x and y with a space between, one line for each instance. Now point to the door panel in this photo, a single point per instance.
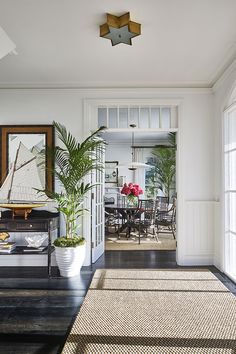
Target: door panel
pixel 97 211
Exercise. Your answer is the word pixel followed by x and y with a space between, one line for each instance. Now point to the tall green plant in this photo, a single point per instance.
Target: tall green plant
pixel 165 170
pixel 73 162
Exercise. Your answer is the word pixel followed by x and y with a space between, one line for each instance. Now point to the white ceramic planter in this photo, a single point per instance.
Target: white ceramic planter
pixel 70 260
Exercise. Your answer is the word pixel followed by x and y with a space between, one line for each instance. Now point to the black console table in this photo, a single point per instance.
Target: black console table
pixel 38 221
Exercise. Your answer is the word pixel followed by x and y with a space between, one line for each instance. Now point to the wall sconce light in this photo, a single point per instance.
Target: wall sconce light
pixel 120 29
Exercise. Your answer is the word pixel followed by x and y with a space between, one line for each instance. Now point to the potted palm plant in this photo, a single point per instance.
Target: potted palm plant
pixel 73 162
pixel 163 175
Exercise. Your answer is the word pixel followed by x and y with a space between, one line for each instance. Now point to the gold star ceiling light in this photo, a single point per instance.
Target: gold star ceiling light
pixel 120 29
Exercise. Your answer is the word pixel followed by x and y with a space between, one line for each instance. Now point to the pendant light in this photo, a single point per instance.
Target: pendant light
pixel 134 165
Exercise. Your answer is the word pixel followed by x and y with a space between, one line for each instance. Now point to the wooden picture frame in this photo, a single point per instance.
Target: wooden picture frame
pixel 34 136
pixel 111 172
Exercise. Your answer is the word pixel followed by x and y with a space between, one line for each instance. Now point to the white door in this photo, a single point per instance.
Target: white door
pixel 230 191
pixel 97 211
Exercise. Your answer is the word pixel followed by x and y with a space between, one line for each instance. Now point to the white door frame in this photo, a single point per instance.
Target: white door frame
pixel 89 124
pixel 229 109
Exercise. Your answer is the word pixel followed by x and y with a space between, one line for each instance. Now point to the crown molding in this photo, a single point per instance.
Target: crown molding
pixel 224 76
pixel 109 89
pixel 228 59
pixel 104 85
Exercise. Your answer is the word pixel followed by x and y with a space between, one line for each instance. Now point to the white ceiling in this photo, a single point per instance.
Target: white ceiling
pixel 183 43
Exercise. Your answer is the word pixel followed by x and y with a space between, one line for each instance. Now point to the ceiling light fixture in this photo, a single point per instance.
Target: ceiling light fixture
pixel 120 29
pixel 134 164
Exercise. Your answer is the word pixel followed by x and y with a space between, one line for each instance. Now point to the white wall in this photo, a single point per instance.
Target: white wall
pixel 223 97
pixel 196 145
pixel 120 153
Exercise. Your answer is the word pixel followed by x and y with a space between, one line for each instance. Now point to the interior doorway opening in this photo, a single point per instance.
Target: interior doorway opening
pixel 153 153
pixel 149 116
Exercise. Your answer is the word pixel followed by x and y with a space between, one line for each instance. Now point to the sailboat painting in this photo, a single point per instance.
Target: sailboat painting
pixel 35 143
pixel 26 174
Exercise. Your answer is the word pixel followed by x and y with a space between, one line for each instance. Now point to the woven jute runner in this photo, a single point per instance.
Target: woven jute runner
pixel 155 311
pixel 166 242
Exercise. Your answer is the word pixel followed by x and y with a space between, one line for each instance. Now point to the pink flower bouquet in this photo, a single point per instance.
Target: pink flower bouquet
pixel 132 191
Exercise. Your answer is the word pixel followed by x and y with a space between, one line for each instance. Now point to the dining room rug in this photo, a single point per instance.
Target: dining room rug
pixel 166 243
pixel 155 311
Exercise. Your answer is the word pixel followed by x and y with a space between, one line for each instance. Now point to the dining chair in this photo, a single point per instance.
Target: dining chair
pixel 111 222
pixel 166 220
pixel 163 203
pixel 145 218
pixel 111 215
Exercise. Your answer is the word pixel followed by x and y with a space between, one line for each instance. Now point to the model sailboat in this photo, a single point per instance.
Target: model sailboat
pixel 19 190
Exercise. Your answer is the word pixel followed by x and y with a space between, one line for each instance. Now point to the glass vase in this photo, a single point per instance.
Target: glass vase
pixel 132 201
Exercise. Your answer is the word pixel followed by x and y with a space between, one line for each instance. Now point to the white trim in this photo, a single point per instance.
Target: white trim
pixel 86 91
pixel 230 108
pixel 180 189
pixel 228 59
pixel 230 277
pixel 201 260
pixel 142 130
pixel 129 102
pixel 104 85
pixel 225 114
pixel 224 76
pixel 91 104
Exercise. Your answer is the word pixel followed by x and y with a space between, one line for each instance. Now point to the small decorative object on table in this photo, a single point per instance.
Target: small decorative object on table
pixel 132 191
pixel 35 241
pixel 4 236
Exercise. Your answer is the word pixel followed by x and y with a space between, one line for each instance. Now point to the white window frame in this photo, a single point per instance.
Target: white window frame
pixel 227 271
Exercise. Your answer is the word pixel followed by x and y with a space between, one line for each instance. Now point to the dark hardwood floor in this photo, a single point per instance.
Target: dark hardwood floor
pixel 36 312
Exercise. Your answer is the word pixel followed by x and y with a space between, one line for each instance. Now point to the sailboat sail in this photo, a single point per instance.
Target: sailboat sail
pixel 4 190
pixel 23 180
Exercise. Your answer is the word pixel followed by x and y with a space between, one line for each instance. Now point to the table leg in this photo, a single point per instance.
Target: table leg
pixel 118 231
pixel 139 234
pixel 49 251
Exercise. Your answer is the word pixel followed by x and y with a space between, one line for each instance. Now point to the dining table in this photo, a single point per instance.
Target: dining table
pixel 127 214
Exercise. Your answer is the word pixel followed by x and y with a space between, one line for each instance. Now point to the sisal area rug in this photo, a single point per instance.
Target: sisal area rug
pixel 155 311
pixel 166 242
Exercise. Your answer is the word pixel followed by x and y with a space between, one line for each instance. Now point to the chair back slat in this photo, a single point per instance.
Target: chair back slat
pixel 163 202
pixel 148 210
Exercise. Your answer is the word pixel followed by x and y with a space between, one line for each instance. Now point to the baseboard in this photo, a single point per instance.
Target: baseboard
pixel 196 260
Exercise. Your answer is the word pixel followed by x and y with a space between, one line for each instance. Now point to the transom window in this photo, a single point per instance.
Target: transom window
pixel 144 117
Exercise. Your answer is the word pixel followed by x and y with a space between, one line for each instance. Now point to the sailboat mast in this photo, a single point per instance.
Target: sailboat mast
pixel 13 170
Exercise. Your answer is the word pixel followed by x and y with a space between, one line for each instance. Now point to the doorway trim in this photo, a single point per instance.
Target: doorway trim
pixel 90 107
pixel 231 107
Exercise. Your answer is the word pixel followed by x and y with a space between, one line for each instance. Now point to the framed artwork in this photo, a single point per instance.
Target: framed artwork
pixel 111 172
pixel 32 142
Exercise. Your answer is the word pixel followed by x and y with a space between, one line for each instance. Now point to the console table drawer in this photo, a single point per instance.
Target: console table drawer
pixel 21 226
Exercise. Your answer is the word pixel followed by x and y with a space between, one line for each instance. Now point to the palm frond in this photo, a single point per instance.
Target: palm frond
pixel 73 162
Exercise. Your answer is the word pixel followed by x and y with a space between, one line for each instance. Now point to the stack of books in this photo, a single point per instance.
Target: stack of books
pixel 7 247
pixel 34 249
